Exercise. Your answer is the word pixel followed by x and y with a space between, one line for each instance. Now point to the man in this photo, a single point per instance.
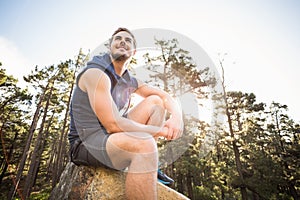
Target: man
pixel 104 132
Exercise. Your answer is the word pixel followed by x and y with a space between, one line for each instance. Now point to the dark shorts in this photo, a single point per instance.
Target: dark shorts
pixel 90 148
pixel 91 151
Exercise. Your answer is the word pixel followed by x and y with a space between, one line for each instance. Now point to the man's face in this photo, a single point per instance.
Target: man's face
pixel 122 46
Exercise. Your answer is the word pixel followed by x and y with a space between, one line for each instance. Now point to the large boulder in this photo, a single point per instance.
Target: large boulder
pixel 99 184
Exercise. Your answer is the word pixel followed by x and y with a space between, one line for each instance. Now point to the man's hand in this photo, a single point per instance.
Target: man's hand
pixel 175 127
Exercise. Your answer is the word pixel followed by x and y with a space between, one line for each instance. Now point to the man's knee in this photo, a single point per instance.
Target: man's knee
pixel 145 144
pixel 155 100
pixel 145 158
pixel 123 148
pixel 132 142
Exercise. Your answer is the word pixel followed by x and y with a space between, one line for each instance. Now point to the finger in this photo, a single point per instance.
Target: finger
pixel 165 132
pixel 173 134
pixel 176 134
pixel 170 133
pixel 180 132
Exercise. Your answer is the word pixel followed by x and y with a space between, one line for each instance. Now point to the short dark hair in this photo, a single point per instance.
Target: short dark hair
pixel 120 30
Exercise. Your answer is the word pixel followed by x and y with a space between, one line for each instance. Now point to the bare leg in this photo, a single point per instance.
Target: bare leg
pixel 150 111
pixel 141 185
pixel 139 153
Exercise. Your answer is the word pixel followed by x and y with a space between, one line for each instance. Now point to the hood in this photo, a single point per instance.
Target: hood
pixel 102 60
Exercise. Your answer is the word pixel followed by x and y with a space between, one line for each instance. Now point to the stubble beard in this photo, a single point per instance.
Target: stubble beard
pixel 119 57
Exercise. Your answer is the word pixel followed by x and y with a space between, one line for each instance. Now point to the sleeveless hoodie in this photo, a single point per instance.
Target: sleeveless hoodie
pixel 84 122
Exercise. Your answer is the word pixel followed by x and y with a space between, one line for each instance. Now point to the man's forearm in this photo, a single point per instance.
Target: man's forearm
pixel 122 124
pixel 172 106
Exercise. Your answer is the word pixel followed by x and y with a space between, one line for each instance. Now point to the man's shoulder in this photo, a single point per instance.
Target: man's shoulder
pixel 94 73
pixel 92 78
pixel 100 61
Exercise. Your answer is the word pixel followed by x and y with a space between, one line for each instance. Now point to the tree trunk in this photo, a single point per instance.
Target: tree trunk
pixel 291 186
pixel 179 183
pixel 28 142
pixel 236 156
pixel 189 185
pixel 255 196
pixel 62 141
pixel 9 155
pixel 38 150
pixel 51 161
pixel 52 152
pixel 234 145
pixel 293 192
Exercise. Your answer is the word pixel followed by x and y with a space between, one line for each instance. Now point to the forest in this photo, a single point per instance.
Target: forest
pixel 256 148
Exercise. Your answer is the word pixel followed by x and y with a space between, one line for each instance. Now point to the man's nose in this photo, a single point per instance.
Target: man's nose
pixel 122 42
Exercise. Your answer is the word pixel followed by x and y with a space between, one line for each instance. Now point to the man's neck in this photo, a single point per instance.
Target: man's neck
pixel 119 66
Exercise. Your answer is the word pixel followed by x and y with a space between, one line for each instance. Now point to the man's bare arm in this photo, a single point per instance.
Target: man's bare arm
pixel 97 85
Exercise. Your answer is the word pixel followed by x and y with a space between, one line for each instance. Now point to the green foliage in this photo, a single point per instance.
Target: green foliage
pixel 201 192
pixel 45 131
pixel 43 194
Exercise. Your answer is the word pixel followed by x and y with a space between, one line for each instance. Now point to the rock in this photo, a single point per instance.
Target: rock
pixel 88 183
pixel 166 193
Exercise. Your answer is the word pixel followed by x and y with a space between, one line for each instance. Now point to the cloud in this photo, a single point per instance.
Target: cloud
pixel 13 60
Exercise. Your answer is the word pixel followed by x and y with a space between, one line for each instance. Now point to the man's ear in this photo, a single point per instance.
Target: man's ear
pixel 134 51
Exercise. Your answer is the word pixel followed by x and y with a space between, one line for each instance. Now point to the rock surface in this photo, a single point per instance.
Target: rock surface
pixel 82 183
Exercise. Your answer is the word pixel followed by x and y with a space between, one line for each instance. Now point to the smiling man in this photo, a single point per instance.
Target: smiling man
pixel 104 132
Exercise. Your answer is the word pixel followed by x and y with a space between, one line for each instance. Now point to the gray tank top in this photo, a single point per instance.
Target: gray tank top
pixel 81 113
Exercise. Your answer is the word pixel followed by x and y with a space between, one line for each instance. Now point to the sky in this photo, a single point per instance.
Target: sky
pixel 259 37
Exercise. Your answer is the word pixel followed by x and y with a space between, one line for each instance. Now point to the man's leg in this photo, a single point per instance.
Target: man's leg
pixel 151 111
pixel 139 152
